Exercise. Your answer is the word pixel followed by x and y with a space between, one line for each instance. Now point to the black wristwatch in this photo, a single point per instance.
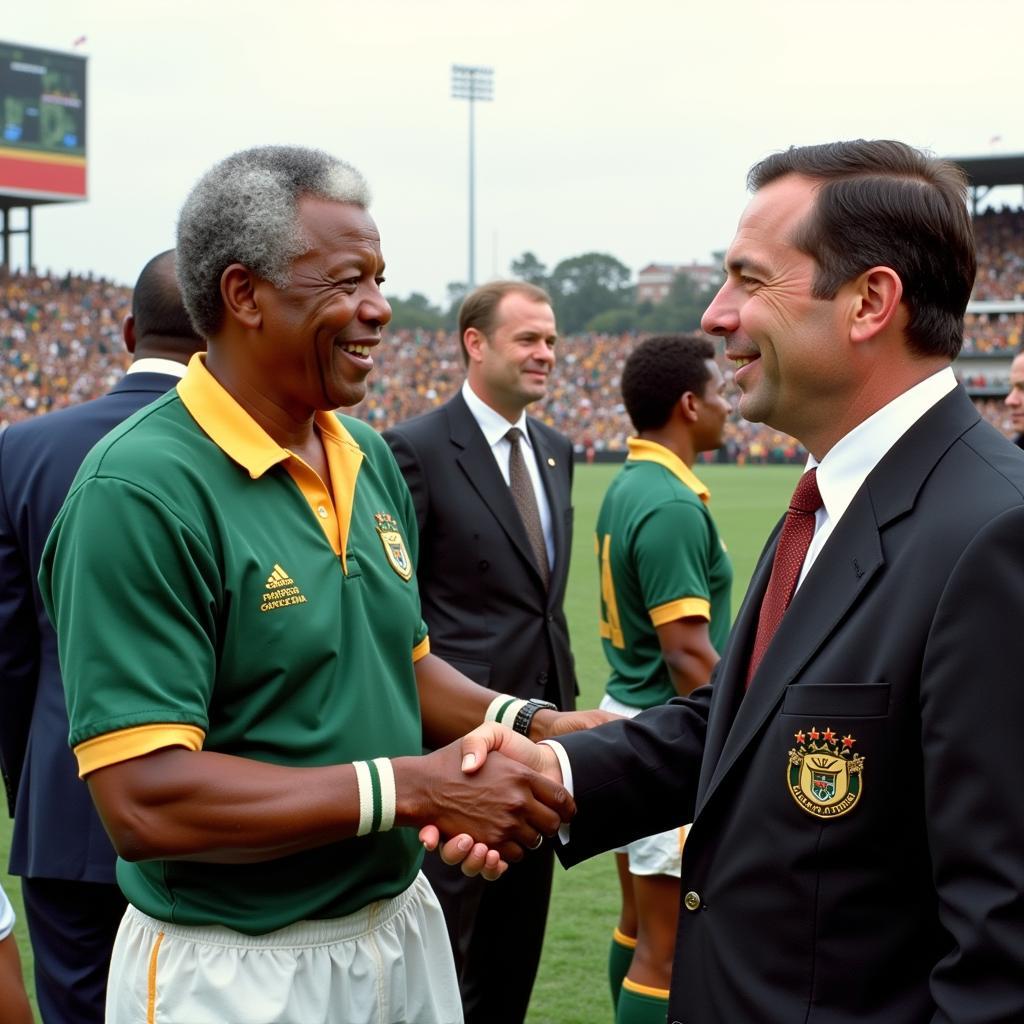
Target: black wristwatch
pixel 525 715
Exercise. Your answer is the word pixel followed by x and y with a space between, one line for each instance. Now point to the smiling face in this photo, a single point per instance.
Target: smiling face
pixel 318 333
pixel 509 367
pixel 788 346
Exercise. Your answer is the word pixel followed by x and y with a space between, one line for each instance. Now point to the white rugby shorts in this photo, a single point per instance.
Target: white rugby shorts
pixel 389 963
pixel 662 853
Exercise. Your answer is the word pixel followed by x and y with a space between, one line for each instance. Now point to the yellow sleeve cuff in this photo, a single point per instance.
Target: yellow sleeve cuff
pixel 421 650
pixel 123 745
pixel 685 608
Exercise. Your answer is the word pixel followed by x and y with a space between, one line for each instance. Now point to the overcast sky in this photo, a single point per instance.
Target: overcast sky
pixel 622 127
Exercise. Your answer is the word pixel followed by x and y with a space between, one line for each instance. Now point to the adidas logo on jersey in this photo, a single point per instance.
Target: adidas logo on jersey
pixel 281 591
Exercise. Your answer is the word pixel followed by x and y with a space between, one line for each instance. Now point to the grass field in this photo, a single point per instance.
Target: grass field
pixel 571 987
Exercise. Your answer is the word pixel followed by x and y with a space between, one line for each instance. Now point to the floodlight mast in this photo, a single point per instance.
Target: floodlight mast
pixel 473 84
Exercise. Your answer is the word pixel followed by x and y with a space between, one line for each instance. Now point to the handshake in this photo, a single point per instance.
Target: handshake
pixel 489 797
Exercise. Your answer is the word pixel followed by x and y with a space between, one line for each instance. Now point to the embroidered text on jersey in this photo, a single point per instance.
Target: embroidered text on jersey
pixel 281 591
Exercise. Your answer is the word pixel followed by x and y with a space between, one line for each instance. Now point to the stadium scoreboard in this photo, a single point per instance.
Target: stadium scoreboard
pixel 42 124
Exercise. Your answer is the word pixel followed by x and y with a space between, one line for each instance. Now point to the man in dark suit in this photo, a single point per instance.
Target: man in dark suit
pixel 492 581
pixel 59 847
pixel 854 774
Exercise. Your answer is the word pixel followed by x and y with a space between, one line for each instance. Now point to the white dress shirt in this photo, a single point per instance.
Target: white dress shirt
pixel 150 364
pixel 494 427
pixel 847 465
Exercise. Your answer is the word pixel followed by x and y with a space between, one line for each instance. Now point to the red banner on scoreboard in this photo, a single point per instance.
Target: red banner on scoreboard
pixel 41 175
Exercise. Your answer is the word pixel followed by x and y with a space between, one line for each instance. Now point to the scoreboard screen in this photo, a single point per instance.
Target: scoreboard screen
pixel 42 123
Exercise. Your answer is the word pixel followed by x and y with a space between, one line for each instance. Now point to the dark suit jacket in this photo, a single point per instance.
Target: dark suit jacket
pixel 909 907
pixel 482 595
pixel 57 833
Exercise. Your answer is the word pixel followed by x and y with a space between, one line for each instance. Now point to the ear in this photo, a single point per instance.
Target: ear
pixel 688 407
pixel 238 293
pixel 474 341
pixel 128 333
pixel 877 295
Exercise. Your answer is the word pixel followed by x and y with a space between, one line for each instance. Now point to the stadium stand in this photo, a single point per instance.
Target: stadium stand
pixel 61 344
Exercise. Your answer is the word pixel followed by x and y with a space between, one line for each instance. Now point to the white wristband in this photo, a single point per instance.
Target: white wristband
pixel 387 794
pixel 377 797
pixel 496 706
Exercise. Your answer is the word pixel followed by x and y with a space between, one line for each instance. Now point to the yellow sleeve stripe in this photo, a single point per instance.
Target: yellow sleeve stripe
pixel 620 938
pixel 123 745
pixel 685 608
pixel 421 650
pixel 644 990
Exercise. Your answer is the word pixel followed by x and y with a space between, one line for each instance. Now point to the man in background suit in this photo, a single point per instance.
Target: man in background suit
pixel 1015 399
pixel 491 589
pixel 59 847
pixel 854 773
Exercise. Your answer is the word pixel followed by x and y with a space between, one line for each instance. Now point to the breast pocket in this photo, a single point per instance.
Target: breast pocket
pixel 845 700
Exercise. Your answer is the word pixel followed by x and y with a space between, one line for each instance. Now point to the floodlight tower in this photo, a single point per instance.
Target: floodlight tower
pixel 473 84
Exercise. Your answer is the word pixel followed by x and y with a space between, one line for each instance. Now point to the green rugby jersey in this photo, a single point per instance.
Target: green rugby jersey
pixel 660 558
pixel 209 591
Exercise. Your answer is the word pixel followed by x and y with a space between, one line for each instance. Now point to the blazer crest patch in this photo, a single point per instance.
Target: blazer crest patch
pixel 394 546
pixel 824 775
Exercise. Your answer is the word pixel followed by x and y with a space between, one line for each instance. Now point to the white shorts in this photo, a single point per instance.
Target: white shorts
pixel 6 915
pixel 389 963
pixel 660 854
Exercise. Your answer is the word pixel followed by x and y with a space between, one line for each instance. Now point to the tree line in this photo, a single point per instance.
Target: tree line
pixel 590 292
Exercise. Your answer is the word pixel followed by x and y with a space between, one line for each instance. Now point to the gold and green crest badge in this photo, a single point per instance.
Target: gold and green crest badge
pixel 825 776
pixel 394 546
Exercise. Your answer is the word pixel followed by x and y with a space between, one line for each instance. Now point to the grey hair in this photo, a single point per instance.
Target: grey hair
pixel 244 210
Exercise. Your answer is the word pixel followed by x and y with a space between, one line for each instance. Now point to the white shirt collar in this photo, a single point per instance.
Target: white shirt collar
pixel 847 465
pixel 493 425
pixel 151 364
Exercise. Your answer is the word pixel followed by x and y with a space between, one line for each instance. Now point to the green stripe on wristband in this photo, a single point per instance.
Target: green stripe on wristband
pixel 510 711
pixel 500 705
pixel 375 783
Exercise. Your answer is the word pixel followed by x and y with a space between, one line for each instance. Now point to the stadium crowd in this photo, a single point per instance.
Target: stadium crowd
pixel 1000 240
pixel 61 344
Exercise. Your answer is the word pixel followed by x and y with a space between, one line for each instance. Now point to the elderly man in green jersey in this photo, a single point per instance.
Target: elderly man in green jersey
pixel 248 675
pixel 665 590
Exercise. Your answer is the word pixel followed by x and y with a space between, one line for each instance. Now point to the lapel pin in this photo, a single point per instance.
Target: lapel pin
pixel 551 462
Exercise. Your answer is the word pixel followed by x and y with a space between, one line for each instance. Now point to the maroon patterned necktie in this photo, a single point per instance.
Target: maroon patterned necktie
pixel 797 532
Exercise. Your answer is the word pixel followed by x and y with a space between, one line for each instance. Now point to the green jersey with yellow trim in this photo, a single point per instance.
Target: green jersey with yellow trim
pixel 197 594
pixel 660 558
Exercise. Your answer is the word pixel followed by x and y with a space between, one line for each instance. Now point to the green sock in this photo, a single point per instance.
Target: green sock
pixel 646 1007
pixel 620 956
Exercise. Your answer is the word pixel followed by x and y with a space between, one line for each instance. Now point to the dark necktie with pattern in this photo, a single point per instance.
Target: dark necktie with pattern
pixel 526 502
pixel 797 533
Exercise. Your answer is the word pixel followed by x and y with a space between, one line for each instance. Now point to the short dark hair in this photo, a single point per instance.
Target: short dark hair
pixel 157 306
pixel 884 203
pixel 659 371
pixel 479 308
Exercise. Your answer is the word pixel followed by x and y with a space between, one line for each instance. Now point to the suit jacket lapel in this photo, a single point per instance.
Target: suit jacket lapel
pixel 730 677
pixel 845 566
pixel 839 576
pixel 475 458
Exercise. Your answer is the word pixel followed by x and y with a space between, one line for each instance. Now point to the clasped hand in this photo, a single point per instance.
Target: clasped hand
pixel 492 755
